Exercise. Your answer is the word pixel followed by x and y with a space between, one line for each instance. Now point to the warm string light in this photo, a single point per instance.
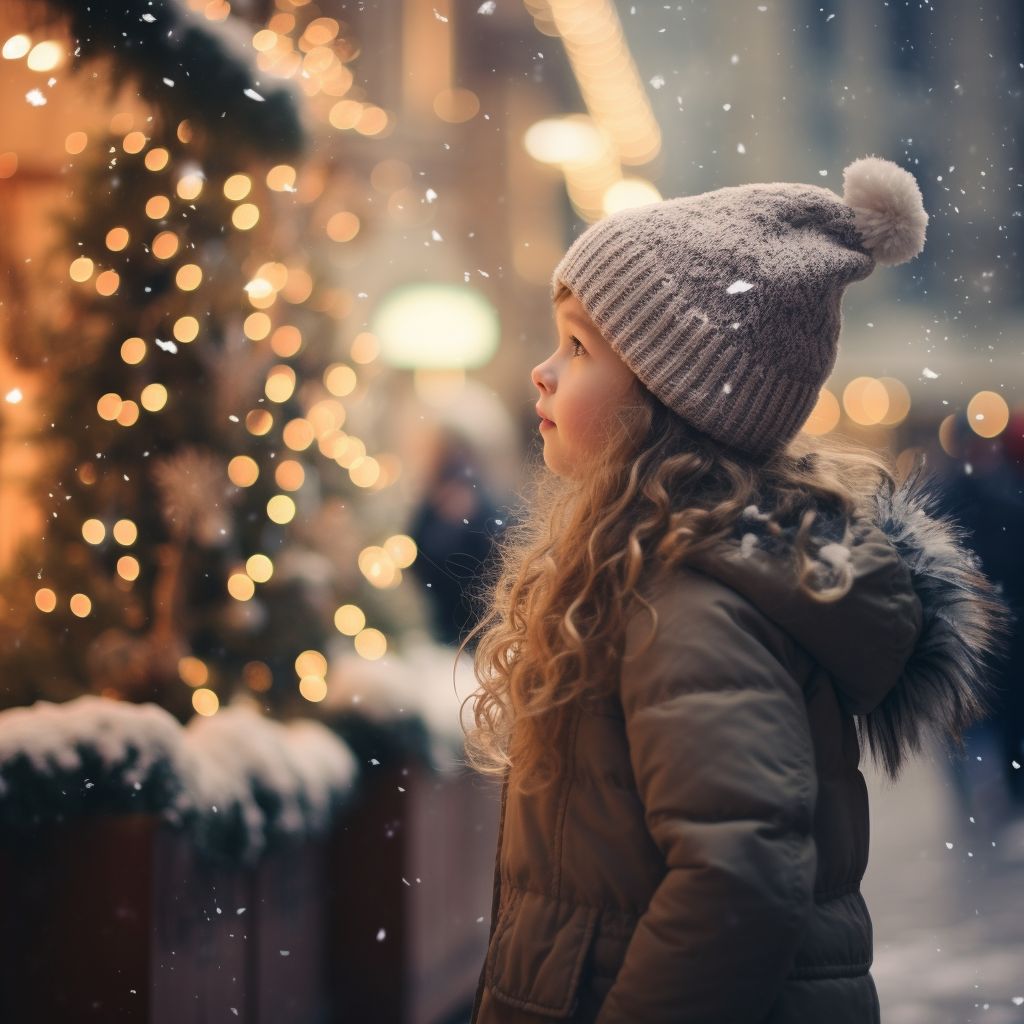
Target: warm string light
pixel 621 128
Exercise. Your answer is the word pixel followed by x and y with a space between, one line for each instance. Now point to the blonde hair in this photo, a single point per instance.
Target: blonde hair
pixel 575 572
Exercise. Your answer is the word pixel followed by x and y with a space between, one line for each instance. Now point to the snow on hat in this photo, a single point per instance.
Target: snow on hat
pixel 726 305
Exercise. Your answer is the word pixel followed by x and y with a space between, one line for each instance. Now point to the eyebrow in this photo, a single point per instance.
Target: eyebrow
pixel 579 320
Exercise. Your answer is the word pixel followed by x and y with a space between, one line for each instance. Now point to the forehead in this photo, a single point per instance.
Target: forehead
pixel 570 311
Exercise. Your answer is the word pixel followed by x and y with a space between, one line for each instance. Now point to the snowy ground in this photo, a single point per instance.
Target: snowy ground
pixel 949 922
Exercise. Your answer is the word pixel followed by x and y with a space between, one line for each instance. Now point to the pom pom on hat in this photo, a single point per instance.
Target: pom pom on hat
pixel 889 209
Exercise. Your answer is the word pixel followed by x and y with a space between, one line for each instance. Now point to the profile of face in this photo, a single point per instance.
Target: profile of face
pixel 583 385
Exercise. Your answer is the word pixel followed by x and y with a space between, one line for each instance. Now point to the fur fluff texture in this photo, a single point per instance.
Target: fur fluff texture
pixel 889 210
pixel 944 685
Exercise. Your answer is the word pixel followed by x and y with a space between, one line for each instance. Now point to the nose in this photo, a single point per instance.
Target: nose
pixel 543 377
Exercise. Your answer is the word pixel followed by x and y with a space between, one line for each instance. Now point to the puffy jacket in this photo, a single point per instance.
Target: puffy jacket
pixel 701 858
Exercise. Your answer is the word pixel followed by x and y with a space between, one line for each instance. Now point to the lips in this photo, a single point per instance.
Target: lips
pixel 545 423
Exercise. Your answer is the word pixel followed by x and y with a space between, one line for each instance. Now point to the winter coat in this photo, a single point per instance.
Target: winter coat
pixel 700 860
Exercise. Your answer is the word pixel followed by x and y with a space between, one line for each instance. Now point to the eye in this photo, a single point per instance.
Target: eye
pixel 577 347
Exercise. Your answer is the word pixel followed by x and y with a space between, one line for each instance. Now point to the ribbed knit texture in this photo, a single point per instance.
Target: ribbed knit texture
pixel 726 305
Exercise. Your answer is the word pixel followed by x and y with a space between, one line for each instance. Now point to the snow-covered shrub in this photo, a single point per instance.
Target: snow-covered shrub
pixel 236 781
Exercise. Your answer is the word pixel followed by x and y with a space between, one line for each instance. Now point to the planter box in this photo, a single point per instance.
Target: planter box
pixel 117 919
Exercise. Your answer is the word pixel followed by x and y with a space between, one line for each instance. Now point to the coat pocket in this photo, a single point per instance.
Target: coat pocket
pixel 537 953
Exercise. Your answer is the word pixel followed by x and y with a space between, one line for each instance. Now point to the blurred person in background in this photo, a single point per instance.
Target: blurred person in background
pixel 983 490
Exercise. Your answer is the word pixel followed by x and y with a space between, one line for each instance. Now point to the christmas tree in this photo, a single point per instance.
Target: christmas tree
pixel 206 526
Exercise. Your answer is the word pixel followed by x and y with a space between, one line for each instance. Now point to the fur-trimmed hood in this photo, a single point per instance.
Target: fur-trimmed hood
pixel 909 644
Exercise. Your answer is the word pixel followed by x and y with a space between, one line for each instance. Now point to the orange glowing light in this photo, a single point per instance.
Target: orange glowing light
pixel 286 341
pixel 258 422
pixel 165 245
pixel 243 471
pixel 108 282
pixel 133 350
pixel 298 434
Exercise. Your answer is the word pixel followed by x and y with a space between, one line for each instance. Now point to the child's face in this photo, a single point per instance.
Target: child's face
pixel 583 385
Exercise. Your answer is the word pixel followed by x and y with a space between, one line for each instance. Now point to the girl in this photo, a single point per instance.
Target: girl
pixel 705 617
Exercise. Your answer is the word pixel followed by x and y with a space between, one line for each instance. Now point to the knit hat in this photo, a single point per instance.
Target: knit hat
pixel 726 305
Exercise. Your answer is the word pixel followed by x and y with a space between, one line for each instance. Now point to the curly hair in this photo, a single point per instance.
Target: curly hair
pixel 575 573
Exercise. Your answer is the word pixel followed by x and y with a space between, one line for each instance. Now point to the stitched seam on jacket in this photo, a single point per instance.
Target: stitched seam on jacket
pixel 574 979
pixel 563 807
pixel 837 893
pixel 821 972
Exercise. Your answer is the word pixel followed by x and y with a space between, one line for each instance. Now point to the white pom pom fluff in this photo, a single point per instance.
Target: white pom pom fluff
pixel 889 209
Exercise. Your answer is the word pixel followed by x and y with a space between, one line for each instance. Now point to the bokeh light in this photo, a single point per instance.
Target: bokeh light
pixel 237 187
pixel 186 329
pixel 154 397
pixel 243 471
pixel 365 348
pixel 257 676
pixel 245 216
pixel 205 702
pixel 988 414
pixel 76 142
pixel 80 605
pixel 298 287
pixel 371 644
pixel 343 227
pixel 46 599
pixel 364 471
pixel 258 422
pixel 259 568
pixel 281 509
pixel 133 350
pixel 107 283
pixel 17 46
pixel 280 383
pixel 313 688
pixel 128 413
pixel 865 400
pixel 281 178
pixel 347 450
pixel 165 245
pixel 289 475
pixel 436 326
pixel 188 277
pixel 109 405
pixel 125 532
pixel 189 187
pixel 376 565
pixel 128 568
pixel 256 326
pixel 81 269
pixel 298 434
pixel 349 619
pixel 825 414
pixel 402 550
pixel 286 341
pixel 311 663
pixel 629 193
pixel 45 56
pixel 156 159
pixel 456 105
pixel 93 531
pixel 339 379
pixel 117 239
pixel 134 142
pixel 947 436
pixel 240 586
pixel 193 671
pixel 325 416
pixel 157 207
pixel 899 401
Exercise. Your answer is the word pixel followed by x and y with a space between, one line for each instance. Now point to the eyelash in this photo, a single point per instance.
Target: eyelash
pixel 577 347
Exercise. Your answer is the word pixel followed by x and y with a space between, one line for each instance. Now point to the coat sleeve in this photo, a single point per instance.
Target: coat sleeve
pixel 722 754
